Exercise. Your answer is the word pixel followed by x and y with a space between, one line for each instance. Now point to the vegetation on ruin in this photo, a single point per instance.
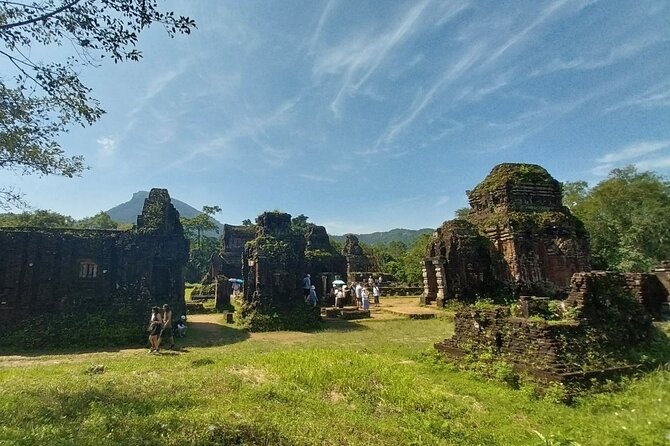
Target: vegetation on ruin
pixel 317 254
pixel 533 221
pixel 42 99
pixel 278 250
pixel 510 173
pixel 627 217
pixel 295 315
pixel 357 383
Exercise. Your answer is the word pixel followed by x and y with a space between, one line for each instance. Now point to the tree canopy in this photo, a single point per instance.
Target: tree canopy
pixel 40 100
pixel 42 218
pixel 202 246
pixel 400 260
pixel 627 217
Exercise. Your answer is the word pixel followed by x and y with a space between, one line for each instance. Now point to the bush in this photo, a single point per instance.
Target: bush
pixel 298 316
pixel 556 393
pixel 206 289
pixel 73 330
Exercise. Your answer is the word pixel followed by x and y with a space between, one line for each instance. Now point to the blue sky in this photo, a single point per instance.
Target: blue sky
pixel 369 115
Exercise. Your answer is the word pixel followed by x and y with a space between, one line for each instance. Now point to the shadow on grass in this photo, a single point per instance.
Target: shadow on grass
pixel 338 325
pixel 209 334
pixel 199 334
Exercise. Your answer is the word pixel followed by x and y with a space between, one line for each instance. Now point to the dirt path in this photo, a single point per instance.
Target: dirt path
pixel 205 325
pixel 205 330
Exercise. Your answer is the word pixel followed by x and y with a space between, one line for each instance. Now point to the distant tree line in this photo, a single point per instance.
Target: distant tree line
pixel 47 219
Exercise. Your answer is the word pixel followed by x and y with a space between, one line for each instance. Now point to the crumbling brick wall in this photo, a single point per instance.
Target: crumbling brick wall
pixel 602 318
pixel 58 271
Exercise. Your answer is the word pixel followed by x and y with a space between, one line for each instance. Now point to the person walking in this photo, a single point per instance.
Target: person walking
pixel 306 286
pixel 166 331
pixel 155 327
pixel 313 298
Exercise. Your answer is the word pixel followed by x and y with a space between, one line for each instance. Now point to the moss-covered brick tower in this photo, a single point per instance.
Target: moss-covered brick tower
pixel 535 243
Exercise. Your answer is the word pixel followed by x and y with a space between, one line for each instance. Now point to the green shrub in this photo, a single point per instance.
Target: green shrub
pixel 204 289
pixel 255 317
pixel 557 393
pixel 73 331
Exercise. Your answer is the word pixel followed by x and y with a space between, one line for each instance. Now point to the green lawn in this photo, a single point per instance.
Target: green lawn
pixel 373 382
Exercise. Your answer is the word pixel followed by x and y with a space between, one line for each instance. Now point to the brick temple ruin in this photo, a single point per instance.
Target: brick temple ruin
pixel 228 262
pixel 273 265
pixel 605 315
pixel 518 241
pixel 53 272
pixel 517 234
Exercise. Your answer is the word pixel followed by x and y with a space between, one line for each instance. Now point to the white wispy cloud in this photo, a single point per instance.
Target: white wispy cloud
pixel 654 97
pixel 422 99
pixel 654 163
pixel 275 157
pixel 523 35
pixel 530 122
pixel 107 145
pixel 442 200
pixel 318 178
pixel 633 151
pixel 603 58
pixel 631 154
pixel 319 26
pixel 357 60
pixel 448 10
pixel 158 83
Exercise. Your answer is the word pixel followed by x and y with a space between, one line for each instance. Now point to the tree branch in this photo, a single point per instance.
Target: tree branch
pixel 42 17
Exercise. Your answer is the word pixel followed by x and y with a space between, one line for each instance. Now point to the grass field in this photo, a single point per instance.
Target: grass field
pixel 373 382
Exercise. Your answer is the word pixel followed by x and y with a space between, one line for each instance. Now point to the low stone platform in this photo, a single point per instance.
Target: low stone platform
pixel 413 313
pixel 347 313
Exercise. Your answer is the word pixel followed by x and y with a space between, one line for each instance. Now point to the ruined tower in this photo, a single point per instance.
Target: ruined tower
pixel 533 242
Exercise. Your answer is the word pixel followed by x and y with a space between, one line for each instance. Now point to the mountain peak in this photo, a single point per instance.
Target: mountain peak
pixel 127 212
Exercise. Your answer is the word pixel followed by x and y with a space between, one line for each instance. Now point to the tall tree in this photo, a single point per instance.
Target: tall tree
pixel 195 226
pixel 40 100
pixel 202 246
pixel 574 193
pixel 627 218
pixel 299 224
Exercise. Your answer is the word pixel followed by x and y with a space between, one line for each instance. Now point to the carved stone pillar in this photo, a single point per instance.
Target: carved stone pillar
pixel 429 283
pixel 441 282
